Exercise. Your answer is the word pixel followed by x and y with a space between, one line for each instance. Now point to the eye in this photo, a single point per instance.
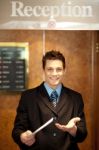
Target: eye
pixel 59 69
pixel 50 69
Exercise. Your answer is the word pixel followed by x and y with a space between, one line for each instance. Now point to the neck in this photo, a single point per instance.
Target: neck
pixel 53 87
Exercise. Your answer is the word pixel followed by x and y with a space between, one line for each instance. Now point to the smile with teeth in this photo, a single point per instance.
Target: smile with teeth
pixel 54 79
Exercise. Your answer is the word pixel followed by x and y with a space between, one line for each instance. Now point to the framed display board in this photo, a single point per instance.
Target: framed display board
pixel 13 66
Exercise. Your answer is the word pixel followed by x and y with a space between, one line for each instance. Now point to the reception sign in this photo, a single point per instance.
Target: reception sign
pixel 43 14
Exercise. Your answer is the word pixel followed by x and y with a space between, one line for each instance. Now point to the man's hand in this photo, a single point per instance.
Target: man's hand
pixel 27 138
pixel 70 127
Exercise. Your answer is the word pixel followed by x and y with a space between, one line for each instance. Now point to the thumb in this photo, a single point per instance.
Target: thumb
pixel 76 119
pixel 28 132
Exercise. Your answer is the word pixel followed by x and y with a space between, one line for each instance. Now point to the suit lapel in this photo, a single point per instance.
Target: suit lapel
pixel 64 102
pixel 45 99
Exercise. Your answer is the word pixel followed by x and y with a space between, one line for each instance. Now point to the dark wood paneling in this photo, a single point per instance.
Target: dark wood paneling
pixel 96 93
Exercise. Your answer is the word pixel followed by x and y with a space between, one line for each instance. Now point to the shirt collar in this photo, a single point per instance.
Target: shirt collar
pixel 50 90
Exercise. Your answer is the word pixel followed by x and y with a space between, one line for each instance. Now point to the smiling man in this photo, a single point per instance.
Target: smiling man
pixel 53 71
pixel 50 99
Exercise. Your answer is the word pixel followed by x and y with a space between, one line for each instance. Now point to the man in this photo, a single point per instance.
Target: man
pixel 38 105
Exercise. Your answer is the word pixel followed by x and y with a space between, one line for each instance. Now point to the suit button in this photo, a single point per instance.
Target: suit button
pixel 54 134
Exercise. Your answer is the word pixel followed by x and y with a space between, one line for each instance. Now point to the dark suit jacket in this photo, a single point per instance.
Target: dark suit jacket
pixel 35 109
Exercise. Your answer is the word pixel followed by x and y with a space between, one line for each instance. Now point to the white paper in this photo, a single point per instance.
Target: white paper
pixel 43 126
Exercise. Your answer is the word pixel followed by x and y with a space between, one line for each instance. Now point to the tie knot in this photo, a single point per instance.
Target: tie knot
pixel 54 96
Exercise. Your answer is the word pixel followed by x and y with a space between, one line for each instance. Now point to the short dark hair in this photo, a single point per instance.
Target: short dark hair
pixel 53 55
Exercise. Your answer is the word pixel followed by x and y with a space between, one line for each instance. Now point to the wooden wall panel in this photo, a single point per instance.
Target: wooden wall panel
pixel 77 48
pixel 96 93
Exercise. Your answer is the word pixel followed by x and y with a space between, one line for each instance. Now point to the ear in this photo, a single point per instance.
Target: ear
pixel 43 74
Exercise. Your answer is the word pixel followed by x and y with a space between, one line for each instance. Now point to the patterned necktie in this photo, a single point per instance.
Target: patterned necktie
pixel 53 98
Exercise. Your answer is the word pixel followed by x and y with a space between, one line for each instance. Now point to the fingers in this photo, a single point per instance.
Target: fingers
pixel 74 120
pixel 61 127
pixel 71 124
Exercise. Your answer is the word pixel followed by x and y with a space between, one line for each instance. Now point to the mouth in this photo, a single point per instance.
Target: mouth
pixel 54 79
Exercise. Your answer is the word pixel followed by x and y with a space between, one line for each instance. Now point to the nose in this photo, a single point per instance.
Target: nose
pixel 54 72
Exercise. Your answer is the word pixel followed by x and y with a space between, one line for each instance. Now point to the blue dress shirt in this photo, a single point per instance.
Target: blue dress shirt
pixel 50 90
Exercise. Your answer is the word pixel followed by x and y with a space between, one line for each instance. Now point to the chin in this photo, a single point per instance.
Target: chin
pixel 54 85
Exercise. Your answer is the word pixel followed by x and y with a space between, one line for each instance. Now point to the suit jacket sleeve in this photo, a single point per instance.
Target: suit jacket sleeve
pixel 81 126
pixel 21 121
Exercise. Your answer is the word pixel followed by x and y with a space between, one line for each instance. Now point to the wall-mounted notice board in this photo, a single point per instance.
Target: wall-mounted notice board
pixel 13 66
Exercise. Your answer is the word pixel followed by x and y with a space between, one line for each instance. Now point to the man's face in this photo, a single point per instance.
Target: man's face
pixel 53 72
